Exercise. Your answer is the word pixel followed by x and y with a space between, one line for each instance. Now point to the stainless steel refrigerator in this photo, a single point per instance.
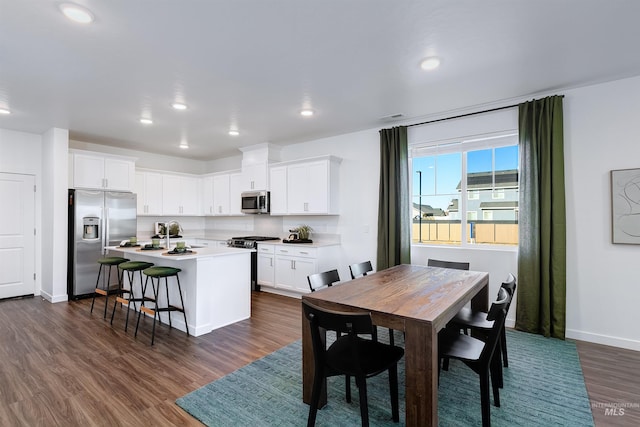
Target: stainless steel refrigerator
pixel 96 219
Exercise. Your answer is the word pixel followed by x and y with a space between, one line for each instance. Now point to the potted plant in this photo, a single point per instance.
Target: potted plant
pixel 304 231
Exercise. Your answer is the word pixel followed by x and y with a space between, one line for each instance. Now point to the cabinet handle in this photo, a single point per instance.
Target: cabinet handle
pixel 270 262
pixel 304 253
pixel 306 206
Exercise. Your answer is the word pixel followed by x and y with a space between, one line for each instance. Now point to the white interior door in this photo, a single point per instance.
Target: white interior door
pixel 17 239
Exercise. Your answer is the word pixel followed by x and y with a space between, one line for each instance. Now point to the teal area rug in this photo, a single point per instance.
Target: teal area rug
pixel 544 386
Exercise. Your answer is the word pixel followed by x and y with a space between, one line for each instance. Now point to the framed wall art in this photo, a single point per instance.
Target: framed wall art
pixel 625 206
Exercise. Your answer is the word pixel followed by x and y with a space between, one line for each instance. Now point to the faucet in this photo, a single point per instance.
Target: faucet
pixel 167 230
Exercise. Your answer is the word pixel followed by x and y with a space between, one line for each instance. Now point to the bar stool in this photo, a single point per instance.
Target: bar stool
pixel 158 273
pixel 131 267
pixel 106 289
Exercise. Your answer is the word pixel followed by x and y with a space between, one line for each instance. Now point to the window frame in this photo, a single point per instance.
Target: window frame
pixel 463 145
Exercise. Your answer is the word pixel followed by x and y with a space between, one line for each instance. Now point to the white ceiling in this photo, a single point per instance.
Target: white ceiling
pixel 255 63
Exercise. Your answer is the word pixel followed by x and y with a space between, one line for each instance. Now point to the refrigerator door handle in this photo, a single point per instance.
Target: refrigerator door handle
pixel 105 230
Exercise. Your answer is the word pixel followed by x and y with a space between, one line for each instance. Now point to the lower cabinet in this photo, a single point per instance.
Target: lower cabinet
pixel 266 265
pixel 285 267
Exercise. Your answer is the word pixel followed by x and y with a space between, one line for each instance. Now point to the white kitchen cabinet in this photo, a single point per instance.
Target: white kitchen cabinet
pixel 235 192
pixel 180 195
pixel 207 196
pixel 293 263
pixel 97 171
pixel 266 265
pixel 221 194
pixel 311 187
pixel 149 191
pixel 278 192
pixel 255 177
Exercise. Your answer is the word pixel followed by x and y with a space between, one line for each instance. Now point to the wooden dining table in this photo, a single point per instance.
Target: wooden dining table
pixel 415 299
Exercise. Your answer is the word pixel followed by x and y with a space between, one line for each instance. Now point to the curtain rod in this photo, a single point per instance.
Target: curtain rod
pixel 467 114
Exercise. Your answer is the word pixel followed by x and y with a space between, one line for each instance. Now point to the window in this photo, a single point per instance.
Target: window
pixel 457 182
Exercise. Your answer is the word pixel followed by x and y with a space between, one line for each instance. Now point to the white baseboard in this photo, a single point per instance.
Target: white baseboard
pixel 54 298
pixel 603 339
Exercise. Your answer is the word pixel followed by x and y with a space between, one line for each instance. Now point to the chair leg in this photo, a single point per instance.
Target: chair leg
pixel 503 346
pixel 393 388
pixel 495 369
pixel 484 399
pixel 156 292
pixel 364 408
pixel 315 396
pixel 106 297
pixel 347 388
pixel 445 364
pixel 184 313
pixel 97 284
pixel 392 340
pixel 144 292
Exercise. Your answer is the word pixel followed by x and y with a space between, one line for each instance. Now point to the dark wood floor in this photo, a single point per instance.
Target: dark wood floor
pixel 61 366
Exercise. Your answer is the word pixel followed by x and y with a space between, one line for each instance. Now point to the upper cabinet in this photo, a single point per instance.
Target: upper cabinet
pixel 311 187
pixel 149 191
pixel 254 177
pixel 180 195
pixel 104 172
pixel 221 194
pixel 207 196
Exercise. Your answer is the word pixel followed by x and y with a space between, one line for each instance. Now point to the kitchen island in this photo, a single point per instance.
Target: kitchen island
pixel 216 284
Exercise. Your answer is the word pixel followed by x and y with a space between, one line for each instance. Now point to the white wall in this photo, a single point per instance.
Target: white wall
pixel 55 174
pixel 602 131
pixel 21 153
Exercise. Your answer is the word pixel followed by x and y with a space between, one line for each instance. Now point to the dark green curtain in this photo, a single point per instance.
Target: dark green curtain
pixel 541 290
pixel 394 236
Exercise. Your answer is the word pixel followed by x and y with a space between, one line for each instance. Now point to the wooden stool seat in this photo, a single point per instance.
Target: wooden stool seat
pixel 106 288
pixel 156 273
pixel 131 267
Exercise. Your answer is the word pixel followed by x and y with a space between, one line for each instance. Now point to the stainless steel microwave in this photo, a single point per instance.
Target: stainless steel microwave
pixel 255 202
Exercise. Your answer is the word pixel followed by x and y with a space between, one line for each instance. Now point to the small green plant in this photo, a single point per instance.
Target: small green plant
pixel 304 231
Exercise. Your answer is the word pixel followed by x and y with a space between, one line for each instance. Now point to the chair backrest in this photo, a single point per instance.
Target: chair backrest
pixel 360 269
pixel 320 280
pixel 497 314
pixel 350 323
pixel 448 264
pixel 510 285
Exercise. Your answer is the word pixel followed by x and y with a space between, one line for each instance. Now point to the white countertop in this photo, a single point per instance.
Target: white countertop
pixel 195 254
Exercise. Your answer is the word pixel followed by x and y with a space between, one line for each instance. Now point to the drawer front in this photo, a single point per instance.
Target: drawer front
pixel 266 249
pixel 298 251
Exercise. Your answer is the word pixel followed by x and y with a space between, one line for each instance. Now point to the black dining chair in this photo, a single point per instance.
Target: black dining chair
pixel 324 279
pixel 350 355
pixel 447 264
pixel 479 355
pixel 477 320
pixel 361 269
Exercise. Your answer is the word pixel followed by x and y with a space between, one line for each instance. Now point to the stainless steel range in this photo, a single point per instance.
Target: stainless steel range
pixel 250 242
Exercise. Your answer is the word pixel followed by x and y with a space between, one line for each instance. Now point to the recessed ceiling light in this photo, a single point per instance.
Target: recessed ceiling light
pixel 146 121
pixel 234 132
pixel 430 63
pixel 4 111
pixel 76 13
pixel 306 112
pixel 184 145
pixel 179 106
